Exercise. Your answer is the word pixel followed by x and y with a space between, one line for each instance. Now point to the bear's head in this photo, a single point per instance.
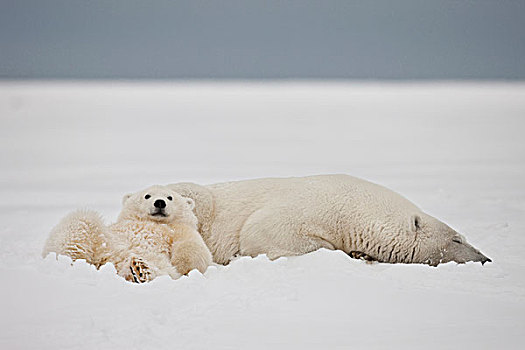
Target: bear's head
pixel 438 243
pixel 158 204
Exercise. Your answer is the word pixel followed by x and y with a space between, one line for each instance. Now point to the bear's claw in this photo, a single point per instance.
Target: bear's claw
pixel 361 256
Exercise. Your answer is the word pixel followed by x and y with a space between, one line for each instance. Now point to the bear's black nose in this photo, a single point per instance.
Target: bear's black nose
pixel 159 203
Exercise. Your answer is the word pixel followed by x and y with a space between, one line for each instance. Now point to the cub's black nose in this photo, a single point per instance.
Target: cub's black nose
pixel 159 203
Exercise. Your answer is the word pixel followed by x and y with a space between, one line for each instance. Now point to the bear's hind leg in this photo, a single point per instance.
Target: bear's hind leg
pixel 80 235
pixel 139 271
pixel 135 269
pixel 272 232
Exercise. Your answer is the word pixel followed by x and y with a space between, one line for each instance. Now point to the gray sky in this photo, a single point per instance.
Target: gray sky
pixel 131 39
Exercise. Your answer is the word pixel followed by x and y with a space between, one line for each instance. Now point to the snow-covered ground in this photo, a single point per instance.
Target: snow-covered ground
pixel 455 149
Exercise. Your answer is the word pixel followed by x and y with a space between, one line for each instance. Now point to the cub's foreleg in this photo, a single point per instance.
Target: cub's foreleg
pixel 189 251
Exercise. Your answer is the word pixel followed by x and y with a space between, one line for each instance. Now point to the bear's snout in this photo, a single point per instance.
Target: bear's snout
pixel 159 203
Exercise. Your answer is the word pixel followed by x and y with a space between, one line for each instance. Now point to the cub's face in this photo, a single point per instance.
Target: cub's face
pixel 156 203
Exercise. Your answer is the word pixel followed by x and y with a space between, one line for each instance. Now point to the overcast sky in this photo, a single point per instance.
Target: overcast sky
pixel 130 39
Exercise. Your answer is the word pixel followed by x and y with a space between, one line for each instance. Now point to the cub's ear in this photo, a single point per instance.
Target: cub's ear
pixel 126 197
pixel 190 202
pixel 415 223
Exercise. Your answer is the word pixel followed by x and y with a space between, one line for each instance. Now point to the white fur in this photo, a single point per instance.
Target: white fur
pixel 80 235
pixel 293 216
pixel 145 242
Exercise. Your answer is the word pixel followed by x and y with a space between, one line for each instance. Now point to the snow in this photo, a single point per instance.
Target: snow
pixel 455 149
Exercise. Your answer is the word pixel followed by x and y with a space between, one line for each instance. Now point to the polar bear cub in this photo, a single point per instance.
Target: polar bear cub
pixel 155 234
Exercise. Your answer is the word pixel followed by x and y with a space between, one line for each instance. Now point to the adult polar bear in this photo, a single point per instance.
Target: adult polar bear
pixel 294 216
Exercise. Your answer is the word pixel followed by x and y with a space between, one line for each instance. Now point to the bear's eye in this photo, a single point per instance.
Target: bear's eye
pixel 170 198
pixel 147 196
pixel 417 223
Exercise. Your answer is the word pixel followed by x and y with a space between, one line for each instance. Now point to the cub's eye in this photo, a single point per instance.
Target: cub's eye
pixel 147 196
pixel 170 198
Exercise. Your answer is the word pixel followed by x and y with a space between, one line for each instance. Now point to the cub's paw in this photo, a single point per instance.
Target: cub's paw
pixel 139 271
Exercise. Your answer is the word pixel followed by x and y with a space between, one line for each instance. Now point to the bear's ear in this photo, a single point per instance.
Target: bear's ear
pixel 415 223
pixel 126 197
pixel 190 202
